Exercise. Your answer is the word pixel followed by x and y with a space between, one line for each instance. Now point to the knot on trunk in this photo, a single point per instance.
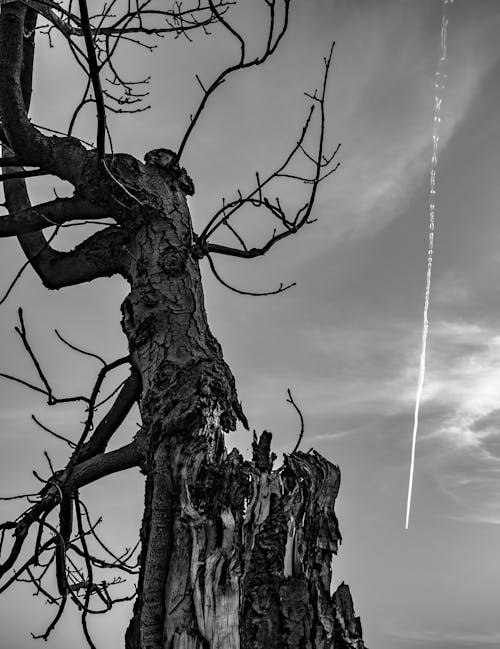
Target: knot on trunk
pixel 165 160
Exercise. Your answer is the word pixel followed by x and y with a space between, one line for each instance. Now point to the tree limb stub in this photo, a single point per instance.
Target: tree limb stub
pixel 104 464
pixel 98 256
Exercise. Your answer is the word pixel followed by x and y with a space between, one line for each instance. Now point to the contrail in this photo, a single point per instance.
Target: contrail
pixel 439 84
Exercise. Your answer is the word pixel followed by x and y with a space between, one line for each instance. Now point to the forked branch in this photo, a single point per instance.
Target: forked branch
pixel 258 198
pixel 65 548
pixel 274 36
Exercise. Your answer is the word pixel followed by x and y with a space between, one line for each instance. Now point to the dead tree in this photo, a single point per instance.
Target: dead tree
pixel 233 553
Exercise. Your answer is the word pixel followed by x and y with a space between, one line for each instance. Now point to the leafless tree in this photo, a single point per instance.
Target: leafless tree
pixel 233 553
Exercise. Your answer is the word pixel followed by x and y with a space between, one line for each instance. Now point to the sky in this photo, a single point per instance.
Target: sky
pixel 346 339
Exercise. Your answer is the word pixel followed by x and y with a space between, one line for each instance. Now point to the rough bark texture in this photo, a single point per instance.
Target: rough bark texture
pixel 235 555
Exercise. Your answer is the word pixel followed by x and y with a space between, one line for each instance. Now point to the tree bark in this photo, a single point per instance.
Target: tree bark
pixel 235 554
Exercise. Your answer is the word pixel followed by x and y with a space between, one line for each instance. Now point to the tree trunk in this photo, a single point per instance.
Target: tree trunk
pixel 235 555
pixel 240 554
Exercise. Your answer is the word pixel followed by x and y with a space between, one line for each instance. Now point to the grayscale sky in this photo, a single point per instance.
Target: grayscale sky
pixel 346 339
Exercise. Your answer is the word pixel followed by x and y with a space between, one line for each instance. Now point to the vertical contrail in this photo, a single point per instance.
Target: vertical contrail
pixel 439 84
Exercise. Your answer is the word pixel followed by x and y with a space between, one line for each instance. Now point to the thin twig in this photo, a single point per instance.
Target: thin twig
pixel 301 433
pixel 79 349
pixel 281 288
pixel 93 72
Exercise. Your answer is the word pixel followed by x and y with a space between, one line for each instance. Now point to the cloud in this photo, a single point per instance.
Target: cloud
pixel 464 368
pixel 386 128
pixel 460 417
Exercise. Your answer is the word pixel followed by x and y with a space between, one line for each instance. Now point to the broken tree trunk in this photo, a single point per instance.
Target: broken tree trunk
pixel 235 555
pixel 249 550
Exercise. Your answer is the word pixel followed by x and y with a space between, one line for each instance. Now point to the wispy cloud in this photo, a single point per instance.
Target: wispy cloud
pixel 462 386
pixel 387 134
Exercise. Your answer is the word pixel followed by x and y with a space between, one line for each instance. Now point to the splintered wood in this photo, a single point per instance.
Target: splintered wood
pixel 259 542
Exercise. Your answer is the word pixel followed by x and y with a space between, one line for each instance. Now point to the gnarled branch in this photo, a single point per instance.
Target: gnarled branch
pixel 62 156
pixel 97 256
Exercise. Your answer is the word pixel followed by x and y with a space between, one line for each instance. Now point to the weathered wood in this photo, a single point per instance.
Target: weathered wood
pixel 348 633
pixel 251 551
pixel 235 554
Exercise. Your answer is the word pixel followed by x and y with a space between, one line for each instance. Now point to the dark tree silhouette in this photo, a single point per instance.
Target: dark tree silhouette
pixel 233 553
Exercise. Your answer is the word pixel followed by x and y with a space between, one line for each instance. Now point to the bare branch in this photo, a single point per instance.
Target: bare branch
pixel 92 258
pixel 49 214
pixel 104 464
pixel 62 156
pixel 51 432
pixel 273 41
pixel 120 561
pixel 77 349
pixel 105 31
pixel 51 399
pixel 90 577
pixel 60 485
pixel 92 400
pixel 18 497
pixel 60 611
pixel 97 256
pixel 256 198
pixel 21 271
pixel 93 71
pixel 110 423
pixel 297 409
pixel 280 289
pixel 22 174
